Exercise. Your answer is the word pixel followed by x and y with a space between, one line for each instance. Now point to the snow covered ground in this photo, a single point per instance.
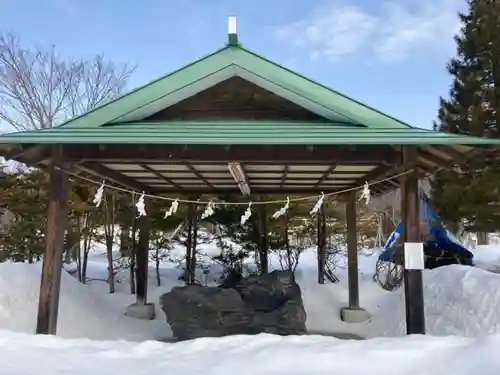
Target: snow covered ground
pixel 250 355
pixel 460 301
pixel 88 311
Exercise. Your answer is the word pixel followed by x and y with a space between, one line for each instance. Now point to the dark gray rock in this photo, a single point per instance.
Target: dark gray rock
pixel 270 303
pixel 269 292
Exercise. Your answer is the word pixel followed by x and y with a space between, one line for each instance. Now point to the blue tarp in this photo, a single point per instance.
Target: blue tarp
pixel 438 234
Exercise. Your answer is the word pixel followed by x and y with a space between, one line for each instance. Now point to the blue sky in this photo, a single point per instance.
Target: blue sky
pixel 389 54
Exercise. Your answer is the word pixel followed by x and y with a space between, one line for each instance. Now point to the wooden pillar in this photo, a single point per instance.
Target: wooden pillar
pixel 352 250
pixel 133 254
pixel 142 260
pixel 194 242
pixel 264 238
pixel 286 240
pixel 189 244
pixel 410 208
pixel 321 230
pixel 48 302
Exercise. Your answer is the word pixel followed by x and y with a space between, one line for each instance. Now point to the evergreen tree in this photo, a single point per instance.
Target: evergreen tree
pixel 471 196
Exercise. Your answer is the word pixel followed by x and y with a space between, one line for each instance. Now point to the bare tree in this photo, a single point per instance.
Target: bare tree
pixel 39 88
pixel 110 213
pixel 87 233
pixel 99 81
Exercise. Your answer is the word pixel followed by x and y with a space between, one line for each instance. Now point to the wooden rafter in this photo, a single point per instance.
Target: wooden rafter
pixel 379 173
pixel 452 153
pixel 325 175
pixel 110 174
pixel 433 159
pixel 284 176
pixel 199 175
pixel 160 176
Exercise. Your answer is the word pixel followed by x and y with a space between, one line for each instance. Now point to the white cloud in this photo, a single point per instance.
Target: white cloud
pixel 396 30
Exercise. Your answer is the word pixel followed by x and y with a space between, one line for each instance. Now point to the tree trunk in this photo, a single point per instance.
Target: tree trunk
pixel 287 244
pixel 71 241
pixel 125 243
pixel 482 238
pixel 88 227
pixel 78 248
pixel 189 244
pixel 85 262
pixel 157 259
pixel 111 271
pixel 194 241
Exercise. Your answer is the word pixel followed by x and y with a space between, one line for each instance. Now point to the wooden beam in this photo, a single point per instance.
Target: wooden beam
pixel 283 176
pixel 225 180
pixel 160 176
pixel 352 250
pixel 324 154
pixel 325 175
pixel 199 175
pixel 456 156
pixel 376 174
pixel 114 176
pixel 433 159
pixel 414 296
pixel 36 153
pixel 295 190
pixel 48 303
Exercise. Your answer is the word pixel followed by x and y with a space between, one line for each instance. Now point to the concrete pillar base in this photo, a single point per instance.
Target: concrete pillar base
pixel 140 311
pixel 358 315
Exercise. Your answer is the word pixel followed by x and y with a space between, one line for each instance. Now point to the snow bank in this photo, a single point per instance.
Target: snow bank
pixel 487 257
pixel 82 313
pixel 459 300
pixel 252 355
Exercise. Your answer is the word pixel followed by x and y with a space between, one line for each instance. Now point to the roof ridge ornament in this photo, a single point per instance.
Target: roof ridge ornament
pixel 232 31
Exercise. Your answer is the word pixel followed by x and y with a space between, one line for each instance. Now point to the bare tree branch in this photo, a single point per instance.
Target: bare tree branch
pixel 40 89
pixel 100 80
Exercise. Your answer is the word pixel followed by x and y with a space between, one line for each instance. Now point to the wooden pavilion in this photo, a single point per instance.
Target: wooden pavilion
pixel 234 121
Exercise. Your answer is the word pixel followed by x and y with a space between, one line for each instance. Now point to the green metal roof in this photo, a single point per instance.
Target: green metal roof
pixel 222 64
pixel 122 120
pixel 238 132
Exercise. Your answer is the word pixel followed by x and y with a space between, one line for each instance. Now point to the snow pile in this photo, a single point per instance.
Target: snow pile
pixel 487 257
pixel 252 355
pixel 82 313
pixel 459 300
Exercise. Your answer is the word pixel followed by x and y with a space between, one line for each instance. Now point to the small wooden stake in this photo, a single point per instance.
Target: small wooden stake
pixel 352 251
pixel 48 303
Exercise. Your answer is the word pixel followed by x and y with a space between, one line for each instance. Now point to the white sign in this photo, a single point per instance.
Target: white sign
pixel 414 256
